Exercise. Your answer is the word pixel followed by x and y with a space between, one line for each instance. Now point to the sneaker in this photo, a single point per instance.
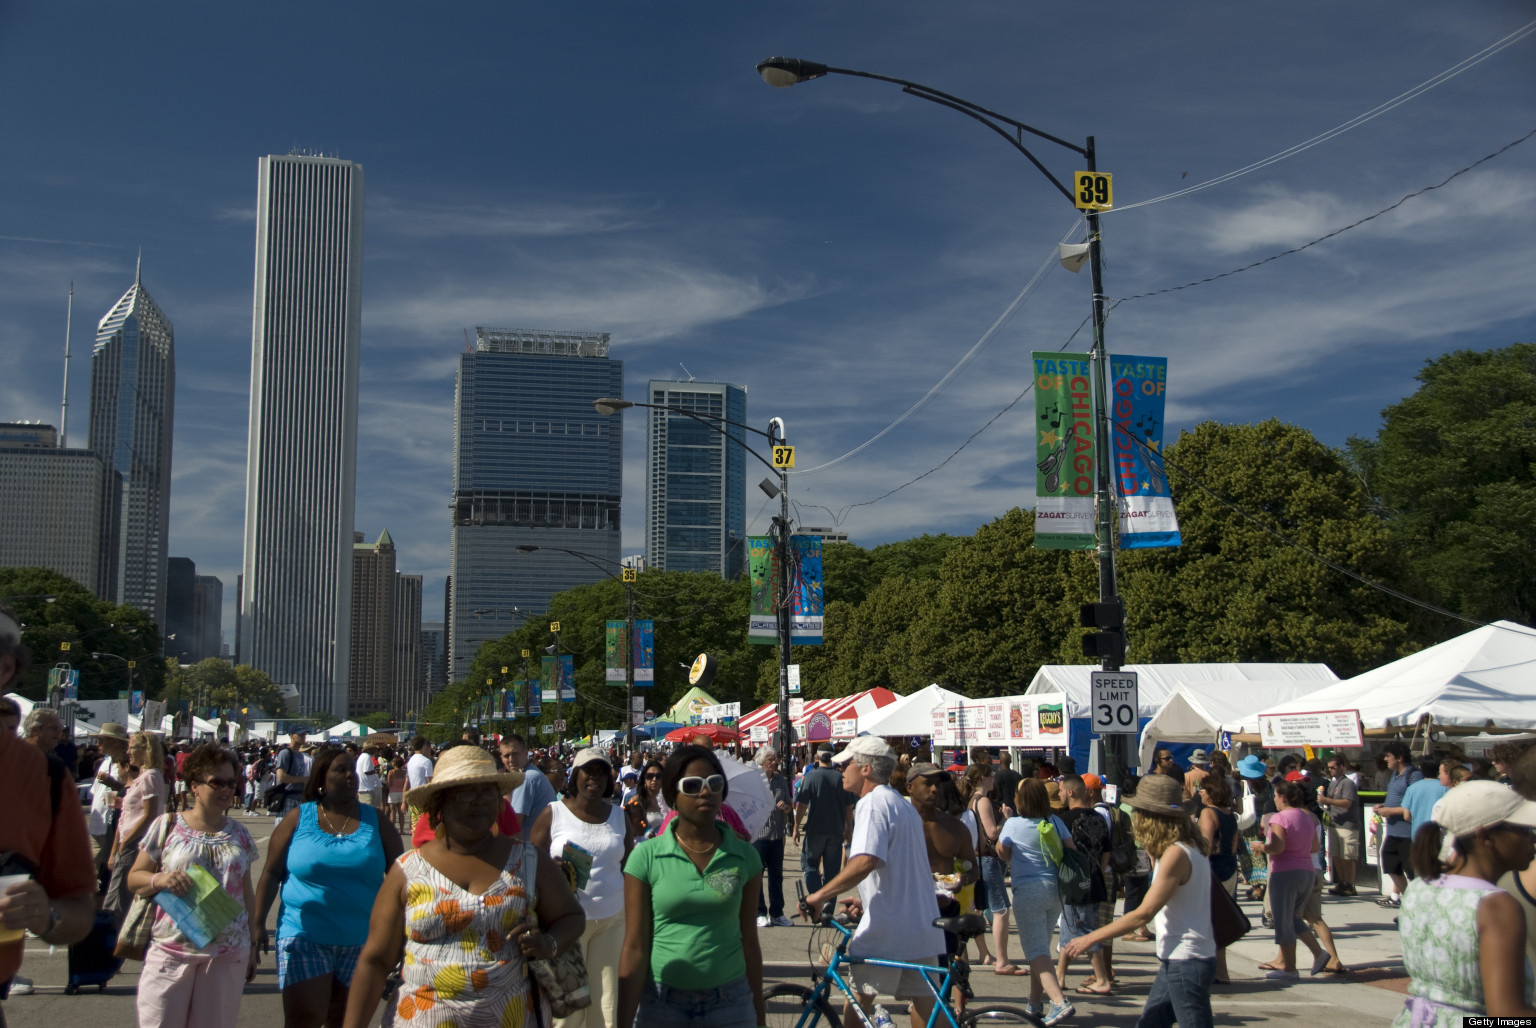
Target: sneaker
pixel 1055 1013
pixel 21 986
pixel 762 921
pixel 781 922
pixel 1278 975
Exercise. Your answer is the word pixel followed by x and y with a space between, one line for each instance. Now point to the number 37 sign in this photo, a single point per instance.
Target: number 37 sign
pixel 1116 704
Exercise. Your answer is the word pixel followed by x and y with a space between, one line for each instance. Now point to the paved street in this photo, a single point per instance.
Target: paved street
pixel 1364 933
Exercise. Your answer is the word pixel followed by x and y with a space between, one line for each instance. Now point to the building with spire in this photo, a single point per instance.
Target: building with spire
pixel 301 461
pixel 133 394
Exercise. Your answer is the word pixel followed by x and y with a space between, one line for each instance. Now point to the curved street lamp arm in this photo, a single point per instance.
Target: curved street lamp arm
pixel 710 422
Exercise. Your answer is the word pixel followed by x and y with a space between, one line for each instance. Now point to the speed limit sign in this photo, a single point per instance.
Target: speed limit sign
pixel 1116 705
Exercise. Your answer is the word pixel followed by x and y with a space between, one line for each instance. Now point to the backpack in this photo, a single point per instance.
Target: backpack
pixel 1122 845
pixel 1074 878
pixel 1050 842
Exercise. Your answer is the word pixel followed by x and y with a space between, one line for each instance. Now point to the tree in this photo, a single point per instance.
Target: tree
pixel 216 683
pixel 379 720
pixel 1234 591
pixel 1453 472
pixel 56 612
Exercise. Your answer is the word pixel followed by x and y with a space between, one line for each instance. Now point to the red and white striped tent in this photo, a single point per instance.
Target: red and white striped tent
pixel 835 718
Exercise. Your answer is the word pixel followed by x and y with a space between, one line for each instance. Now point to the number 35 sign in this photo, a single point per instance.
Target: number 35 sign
pixel 1116 703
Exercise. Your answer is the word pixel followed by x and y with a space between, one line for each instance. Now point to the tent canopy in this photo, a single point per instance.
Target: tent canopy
pixel 909 715
pixel 348 730
pixel 1157 683
pixel 1483 679
pixel 690 705
pixel 836 708
pixel 1199 711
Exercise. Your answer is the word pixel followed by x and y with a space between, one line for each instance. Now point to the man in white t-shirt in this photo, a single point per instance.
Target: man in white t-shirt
pixel 418 770
pixel 370 785
pixel 888 861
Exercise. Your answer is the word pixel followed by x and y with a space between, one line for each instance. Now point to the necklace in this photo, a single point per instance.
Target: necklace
pixel 325 816
pixel 707 849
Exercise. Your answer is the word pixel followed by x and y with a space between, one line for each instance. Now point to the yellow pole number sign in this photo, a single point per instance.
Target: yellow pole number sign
pixel 1093 190
pixel 783 456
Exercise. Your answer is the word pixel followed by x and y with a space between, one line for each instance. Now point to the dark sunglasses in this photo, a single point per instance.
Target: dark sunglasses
pixel 221 783
pixel 653 775
pixel 693 785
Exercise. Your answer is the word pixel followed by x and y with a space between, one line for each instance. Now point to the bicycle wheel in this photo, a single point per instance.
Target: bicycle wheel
pixel 999 1017
pixel 785 1003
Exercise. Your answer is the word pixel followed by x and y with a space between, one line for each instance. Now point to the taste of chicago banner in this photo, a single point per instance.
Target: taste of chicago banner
pixel 1063 452
pixel 1146 503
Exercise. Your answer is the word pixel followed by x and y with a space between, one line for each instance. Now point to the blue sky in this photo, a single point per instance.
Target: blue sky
pixel 836 247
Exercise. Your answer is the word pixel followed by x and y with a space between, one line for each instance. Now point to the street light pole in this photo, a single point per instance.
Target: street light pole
pixel 775 437
pixel 782 72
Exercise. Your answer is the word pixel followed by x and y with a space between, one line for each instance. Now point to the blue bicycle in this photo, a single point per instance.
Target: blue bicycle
pixel 798 1006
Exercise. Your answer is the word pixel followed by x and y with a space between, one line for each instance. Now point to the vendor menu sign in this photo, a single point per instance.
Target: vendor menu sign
pixel 1036 720
pixel 1310 728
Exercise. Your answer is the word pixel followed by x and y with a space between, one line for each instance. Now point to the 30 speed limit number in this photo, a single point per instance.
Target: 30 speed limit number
pixel 1115 703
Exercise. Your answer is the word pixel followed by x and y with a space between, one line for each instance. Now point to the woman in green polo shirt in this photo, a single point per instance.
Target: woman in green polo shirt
pixel 690 955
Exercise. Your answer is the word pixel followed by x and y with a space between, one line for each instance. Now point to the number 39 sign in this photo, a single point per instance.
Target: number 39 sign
pixel 1116 703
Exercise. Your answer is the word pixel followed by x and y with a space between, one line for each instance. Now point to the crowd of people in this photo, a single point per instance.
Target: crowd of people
pixel 455 882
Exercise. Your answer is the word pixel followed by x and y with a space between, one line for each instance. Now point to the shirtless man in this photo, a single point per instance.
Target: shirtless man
pixel 948 841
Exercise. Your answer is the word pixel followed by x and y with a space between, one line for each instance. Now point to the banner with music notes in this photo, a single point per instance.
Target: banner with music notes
pixel 1064 478
pixel 1136 413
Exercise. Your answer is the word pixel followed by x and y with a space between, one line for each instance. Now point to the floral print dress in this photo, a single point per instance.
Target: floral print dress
pixel 461 968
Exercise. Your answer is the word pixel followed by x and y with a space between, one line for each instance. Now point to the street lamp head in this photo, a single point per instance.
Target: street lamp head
pixel 783 72
pixel 611 405
pixel 769 486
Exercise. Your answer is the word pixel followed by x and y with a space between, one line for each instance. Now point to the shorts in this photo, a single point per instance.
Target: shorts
pixel 1312 906
pixel 997 891
pixel 299 959
pixel 1105 913
pixel 898 982
pixel 1078 921
pixel 396 798
pixel 1038 905
pixel 1344 841
pixel 1394 856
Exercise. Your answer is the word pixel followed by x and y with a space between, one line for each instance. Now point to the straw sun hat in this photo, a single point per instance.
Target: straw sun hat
pixel 1160 794
pixel 463 765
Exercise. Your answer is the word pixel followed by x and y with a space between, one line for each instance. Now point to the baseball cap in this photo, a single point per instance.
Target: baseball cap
pixel 628 773
pixel 1092 781
pixel 588 755
pixel 865 746
pixel 920 770
pixel 1481 804
pixel 1296 776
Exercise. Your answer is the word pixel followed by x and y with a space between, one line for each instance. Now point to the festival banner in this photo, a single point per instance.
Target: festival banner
pixel 644 656
pixel 559 671
pixel 1146 503
pixel 535 706
pixel 805 590
pixel 1064 478
pixel 136 701
pixel 616 671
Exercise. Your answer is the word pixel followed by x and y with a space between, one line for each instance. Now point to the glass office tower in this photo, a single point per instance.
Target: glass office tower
pixel 534 464
pixel 695 494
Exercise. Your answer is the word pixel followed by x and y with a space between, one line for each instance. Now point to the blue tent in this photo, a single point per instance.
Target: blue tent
pixel 655 729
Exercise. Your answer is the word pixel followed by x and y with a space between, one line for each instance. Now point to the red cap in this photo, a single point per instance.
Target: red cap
pixel 1296 776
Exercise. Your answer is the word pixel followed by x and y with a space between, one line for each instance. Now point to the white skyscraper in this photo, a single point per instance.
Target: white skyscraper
pixel 301 463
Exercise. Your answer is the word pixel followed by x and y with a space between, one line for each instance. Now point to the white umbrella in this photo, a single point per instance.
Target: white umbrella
pixel 749 795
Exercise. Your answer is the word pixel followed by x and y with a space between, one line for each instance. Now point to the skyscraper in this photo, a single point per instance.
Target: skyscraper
pixel 301 463
pixel 533 465
pixel 371 671
pixel 695 489
pixel 133 394
pixel 51 503
pixel 408 689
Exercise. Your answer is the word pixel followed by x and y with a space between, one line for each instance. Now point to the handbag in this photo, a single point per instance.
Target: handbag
pixel 133 936
pixel 563 980
pixel 1250 815
pixel 1228 922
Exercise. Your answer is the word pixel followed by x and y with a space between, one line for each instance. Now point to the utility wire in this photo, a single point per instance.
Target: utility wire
pixel 1355 122
pixel 1337 231
pixel 1288 541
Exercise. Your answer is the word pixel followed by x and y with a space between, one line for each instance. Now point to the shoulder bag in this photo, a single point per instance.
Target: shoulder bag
pixel 1228 922
pixel 563 980
pixel 1250 813
pixel 133 936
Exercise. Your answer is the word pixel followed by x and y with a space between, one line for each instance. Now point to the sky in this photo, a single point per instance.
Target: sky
pixel 837 247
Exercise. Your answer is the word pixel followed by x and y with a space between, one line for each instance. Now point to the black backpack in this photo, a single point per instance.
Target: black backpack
pixel 1074 877
pixel 1122 845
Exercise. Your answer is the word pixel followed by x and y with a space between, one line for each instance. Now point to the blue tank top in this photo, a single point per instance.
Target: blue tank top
pixel 332 880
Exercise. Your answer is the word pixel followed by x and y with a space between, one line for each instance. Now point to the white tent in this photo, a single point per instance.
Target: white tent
pixel 1199 711
pixel 199 726
pixel 348 730
pixel 1157 683
pixel 909 715
pixel 1483 679
pixel 22 703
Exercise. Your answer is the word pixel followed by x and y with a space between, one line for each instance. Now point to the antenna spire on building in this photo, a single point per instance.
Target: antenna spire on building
pixel 64 412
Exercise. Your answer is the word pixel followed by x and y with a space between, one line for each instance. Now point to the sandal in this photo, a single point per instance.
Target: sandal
pixel 1270 967
pixel 1084 990
pixel 1011 971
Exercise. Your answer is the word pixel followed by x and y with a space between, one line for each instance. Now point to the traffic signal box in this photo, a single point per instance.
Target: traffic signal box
pixel 1108 641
